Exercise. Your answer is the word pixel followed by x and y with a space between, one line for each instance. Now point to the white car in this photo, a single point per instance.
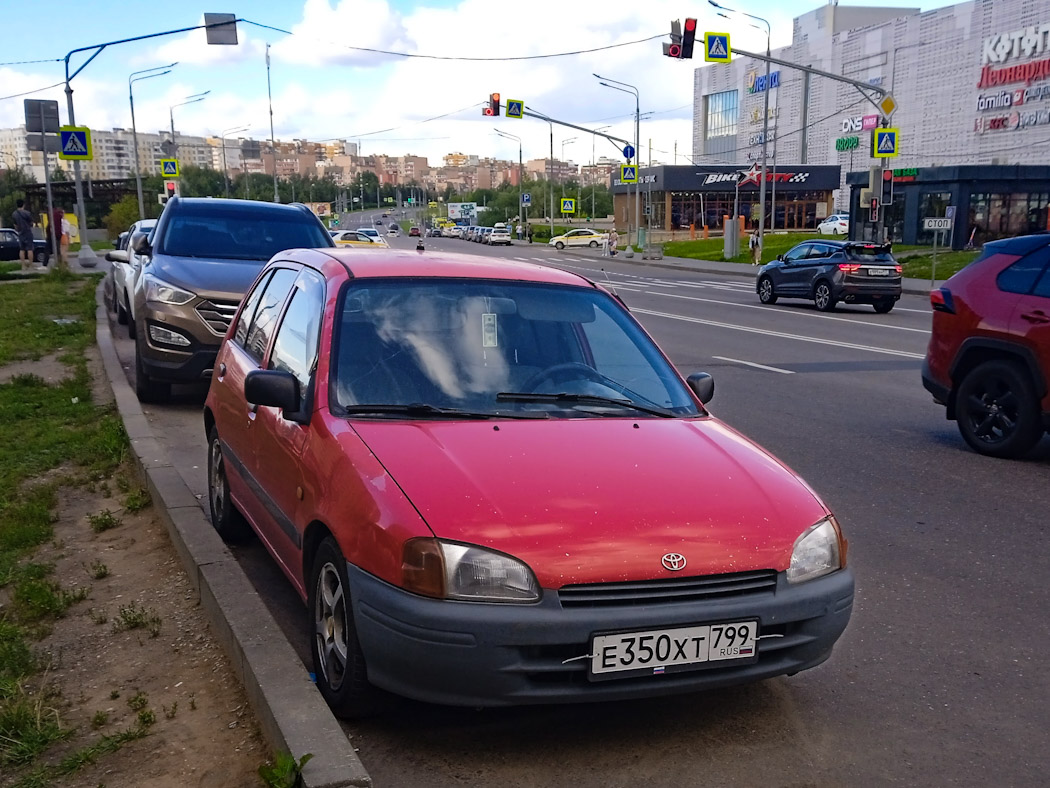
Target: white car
pixel 499 235
pixel 578 238
pixel 373 233
pixel 126 267
pixel 837 224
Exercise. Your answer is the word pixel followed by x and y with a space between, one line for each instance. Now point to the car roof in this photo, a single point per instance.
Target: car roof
pixel 384 262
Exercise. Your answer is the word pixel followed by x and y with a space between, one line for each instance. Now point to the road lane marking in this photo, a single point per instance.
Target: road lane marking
pixel 787 312
pixel 754 364
pixel 781 334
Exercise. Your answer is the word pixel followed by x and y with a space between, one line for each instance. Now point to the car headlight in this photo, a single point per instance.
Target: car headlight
pixel 164 293
pixel 820 550
pixel 449 570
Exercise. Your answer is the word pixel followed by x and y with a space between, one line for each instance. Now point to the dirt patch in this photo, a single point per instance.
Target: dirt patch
pixel 49 368
pixel 204 733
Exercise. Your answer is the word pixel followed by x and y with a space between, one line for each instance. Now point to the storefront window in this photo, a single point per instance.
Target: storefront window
pixel 1002 215
pixel 931 204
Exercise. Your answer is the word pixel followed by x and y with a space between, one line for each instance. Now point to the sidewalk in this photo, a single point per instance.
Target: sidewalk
pixel 919 287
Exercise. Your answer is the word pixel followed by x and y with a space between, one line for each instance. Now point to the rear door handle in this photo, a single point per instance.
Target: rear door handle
pixel 1037 316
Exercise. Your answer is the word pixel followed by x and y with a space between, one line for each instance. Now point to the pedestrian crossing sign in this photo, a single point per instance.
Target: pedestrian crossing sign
pixel 169 168
pixel 567 205
pixel 628 173
pixel 716 48
pixel 76 143
pixel 515 109
pixel 885 143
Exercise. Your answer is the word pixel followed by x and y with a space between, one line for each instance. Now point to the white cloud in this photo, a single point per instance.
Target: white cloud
pixel 193 49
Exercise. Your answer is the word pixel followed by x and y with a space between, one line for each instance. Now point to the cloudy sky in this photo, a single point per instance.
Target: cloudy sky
pixel 324 88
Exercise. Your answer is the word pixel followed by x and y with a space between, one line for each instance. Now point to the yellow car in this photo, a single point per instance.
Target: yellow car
pixel 356 238
pixel 578 238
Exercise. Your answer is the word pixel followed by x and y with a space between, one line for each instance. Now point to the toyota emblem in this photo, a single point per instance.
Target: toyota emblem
pixel 673 561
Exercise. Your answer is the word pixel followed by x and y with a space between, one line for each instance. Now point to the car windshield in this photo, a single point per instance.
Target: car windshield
pixel 232 232
pixel 500 348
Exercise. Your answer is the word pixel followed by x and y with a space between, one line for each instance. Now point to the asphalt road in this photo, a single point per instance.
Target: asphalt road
pixel 940 678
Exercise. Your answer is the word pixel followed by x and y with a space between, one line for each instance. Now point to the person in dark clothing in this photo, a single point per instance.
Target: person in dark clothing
pixel 530 233
pixel 23 222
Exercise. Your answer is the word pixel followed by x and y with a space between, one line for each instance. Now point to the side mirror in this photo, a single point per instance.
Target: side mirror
pixel 117 256
pixel 780 257
pixel 273 388
pixel 703 385
pixel 140 244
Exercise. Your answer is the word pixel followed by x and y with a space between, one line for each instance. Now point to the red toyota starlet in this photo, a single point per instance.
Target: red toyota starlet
pixel 491 487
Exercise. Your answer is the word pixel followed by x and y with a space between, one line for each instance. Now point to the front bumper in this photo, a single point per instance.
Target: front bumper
pixel 176 364
pixel 477 654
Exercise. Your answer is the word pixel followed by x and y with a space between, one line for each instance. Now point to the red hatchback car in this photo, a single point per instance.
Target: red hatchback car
pixel 491 487
pixel 988 358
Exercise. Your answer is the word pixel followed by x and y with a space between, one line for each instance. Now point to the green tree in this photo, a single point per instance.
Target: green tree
pixel 12 189
pixel 121 216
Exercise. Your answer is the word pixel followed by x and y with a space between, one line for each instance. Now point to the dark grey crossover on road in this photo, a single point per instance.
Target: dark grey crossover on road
pixel 205 254
pixel 829 272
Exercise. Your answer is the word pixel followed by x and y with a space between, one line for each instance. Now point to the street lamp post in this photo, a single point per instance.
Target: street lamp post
pixel 133 78
pixel 225 171
pixel 765 122
pixel 521 181
pixel 593 167
pixel 561 162
pixel 625 88
pixel 171 116
pixel 273 145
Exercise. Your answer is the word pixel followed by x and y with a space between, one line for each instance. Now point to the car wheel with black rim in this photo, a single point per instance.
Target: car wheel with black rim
pixel 148 389
pixel 765 291
pixel 559 245
pixel 339 663
pixel 823 298
pixel 40 256
pixel 998 411
pixel 228 522
pixel 883 307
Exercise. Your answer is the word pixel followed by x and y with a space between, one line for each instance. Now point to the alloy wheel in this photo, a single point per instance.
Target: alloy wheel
pixel 330 626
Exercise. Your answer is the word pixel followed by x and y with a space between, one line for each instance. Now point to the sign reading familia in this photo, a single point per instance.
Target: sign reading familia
pixel 757 83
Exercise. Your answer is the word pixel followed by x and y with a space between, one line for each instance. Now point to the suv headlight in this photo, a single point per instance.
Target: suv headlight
pixel 449 570
pixel 820 550
pixel 164 293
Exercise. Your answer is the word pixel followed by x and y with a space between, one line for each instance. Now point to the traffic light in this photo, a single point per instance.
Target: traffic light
pixel 493 106
pixel 169 189
pixel 688 38
pixel 674 49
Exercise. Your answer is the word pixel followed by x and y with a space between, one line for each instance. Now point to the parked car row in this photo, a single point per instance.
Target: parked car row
pixel 494 236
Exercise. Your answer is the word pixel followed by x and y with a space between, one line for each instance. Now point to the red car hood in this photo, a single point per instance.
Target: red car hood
pixel 600 500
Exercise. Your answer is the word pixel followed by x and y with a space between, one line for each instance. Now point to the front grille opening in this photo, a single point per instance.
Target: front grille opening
pixel 678 589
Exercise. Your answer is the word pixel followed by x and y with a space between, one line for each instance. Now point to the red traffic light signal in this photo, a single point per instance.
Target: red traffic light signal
pixel 874 209
pixel 169 189
pixel 674 49
pixel 493 106
pixel 688 37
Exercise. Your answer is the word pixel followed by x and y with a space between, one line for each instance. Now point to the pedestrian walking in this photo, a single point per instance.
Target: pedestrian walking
pixel 521 231
pixel 614 241
pixel 605 244
pixel 530 233
pixel 23 222
pixel 755 244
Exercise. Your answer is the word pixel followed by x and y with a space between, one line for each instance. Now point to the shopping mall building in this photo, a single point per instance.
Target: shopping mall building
pixel 972 83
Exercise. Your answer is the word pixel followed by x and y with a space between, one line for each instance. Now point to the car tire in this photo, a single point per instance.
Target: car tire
pixel 333 636
pixel 883 307
pixel 823 297
pixel 132 328
pixel 122 311
pixel 766 294
pixel 593 244
pixel 227 521
pixel 997 410
pixel 148 389
pixel 559 246
pixel 40 256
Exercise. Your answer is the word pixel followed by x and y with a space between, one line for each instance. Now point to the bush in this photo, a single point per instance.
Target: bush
pixel 121 216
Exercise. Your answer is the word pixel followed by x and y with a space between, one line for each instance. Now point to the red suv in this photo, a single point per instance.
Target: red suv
pixel 492 488
pixel 989 355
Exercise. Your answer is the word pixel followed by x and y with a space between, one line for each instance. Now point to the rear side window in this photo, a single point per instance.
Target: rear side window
pixel 870 254
pixel 1021 276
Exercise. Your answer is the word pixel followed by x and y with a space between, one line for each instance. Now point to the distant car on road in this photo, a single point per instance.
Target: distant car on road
pixel 499 236
pixel 445 457
pixel 394 229
pixel 829 272
pixel 578 238
pixel 434 232
pixel 352 238
pixel 988 359
pixel 413 231
pixel 372 233
pixel 837 224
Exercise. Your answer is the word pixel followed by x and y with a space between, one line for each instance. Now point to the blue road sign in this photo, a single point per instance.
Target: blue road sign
pixel 716 48
pixel 568 205
pixel 628 173
pixel 886 143
pixel 526 199
pixel 515 109
pixel 76 142
pixel 628 152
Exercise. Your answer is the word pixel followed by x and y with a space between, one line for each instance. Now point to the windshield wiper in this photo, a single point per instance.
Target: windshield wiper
pixel 423 409
pixel 582 399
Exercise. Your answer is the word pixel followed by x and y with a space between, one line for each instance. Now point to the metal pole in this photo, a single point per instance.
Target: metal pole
pixel 135 144
pixel 86 255
pixel 637 161
pixel 933 268
pixel 273 145
pixel 55 249
pixel 225 170
pixel 551 179
pixel 765 143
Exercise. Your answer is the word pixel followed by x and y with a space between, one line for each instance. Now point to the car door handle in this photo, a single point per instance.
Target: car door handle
pixel 1038 316
pixel 222 370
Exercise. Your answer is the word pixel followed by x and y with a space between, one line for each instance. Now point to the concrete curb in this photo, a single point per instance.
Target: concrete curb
pixel 291 712
pixel 908 286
